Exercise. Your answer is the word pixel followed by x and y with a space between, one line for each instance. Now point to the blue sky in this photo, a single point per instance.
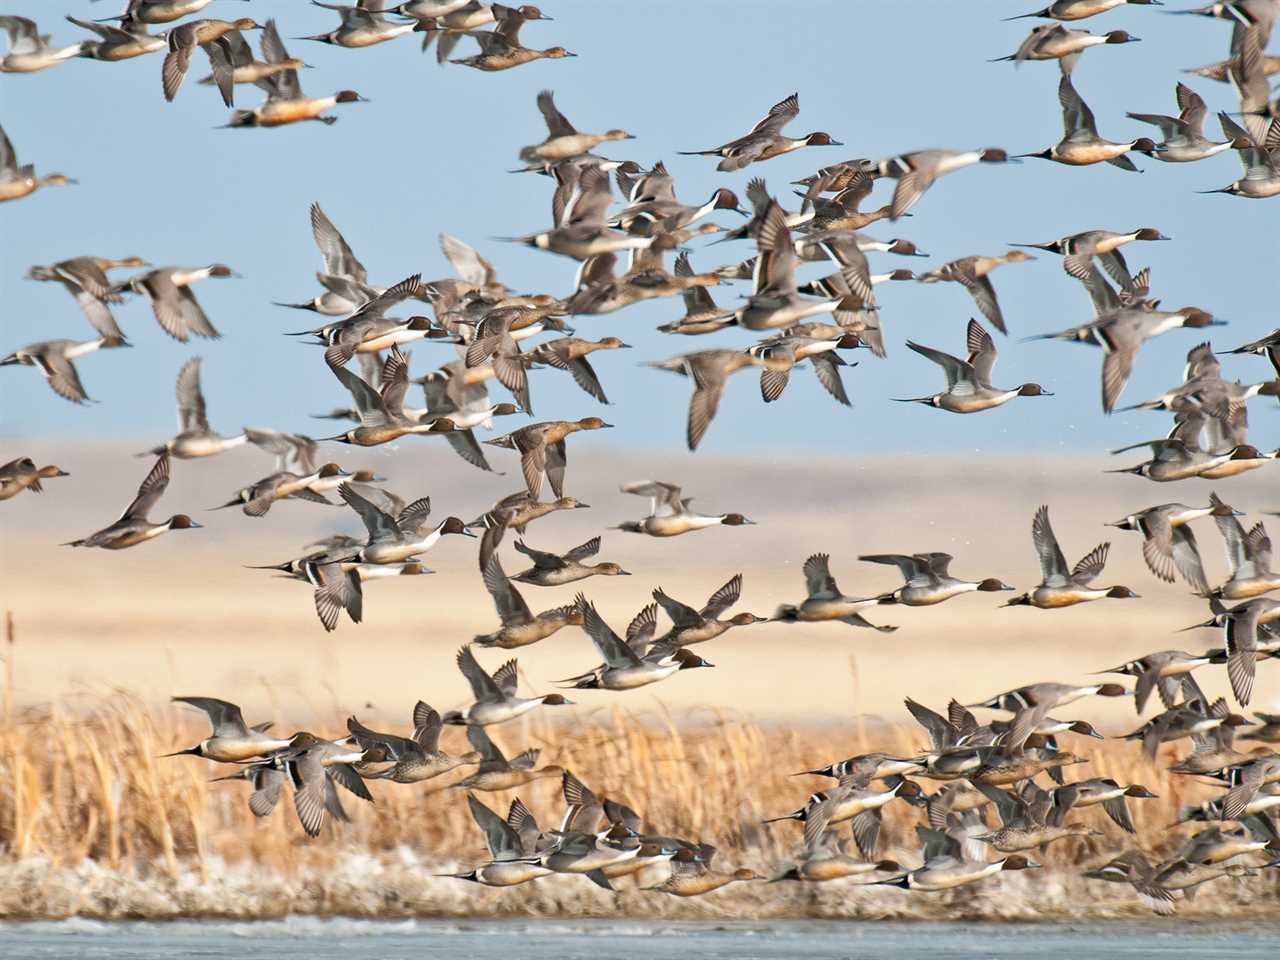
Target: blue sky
pixel 430 151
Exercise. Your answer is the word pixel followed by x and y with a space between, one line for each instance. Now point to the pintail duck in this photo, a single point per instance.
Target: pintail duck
pixel 124 42
pixel 1079 249
pixel 466 405
pixel 311 766
pixel 344 277
pixel 1049 695
pixel 1246 782
pixel 16 181
pixel 194 437
pixel 1268 346
pixel 1268 728
pixel 563 139
pixel 1080 9
pixel 1056 42
pixel 784 349
pixel 843 211
pixel 701 315
pixel 519 625
pixel 851 799
pixel 363 25
pixel 1161 672
pixel 1184 139
pixel 256 499
pixel 916 171
pixel 570 353
pixel 30 52
pixel 382 414
pixel 1122 332
pixel 542 450
pixel 1179 455
pixel 669 513
pixel 298 454
pixel 1024 823
pixel 1061 586
pixel 690 625
pixel 174 305
pixel 1248 556
pixel 53 357
pixel 1169 545
pixel 825 601
pixel 828 858
pixel 1218 844
pixel 867 766
pixel 627 665
pixel 85 278
pixel 133 527
pixel 1259 149
pixel 971 273
pixel 554 570
pixel 691 874
pixel 946 867
pixel 285 103
pixel 245 69
pixel 1080 144
pixel 211 37
pixel 500 48
pixel 496 700
pixel 1188 719
pixel 416 758
pixel 927 579
pixel 1133 867
pixel 161 11
pixel 765 139
pixel 498 773
pixel 1221 71
pixel 1242 627
pixel 402 537
pixel 598 290
pixel 513 861
pixel 517 511
pixel 232 740
pixel 23 474
pixel 969 388
pixel 709 370
pixel 1099 790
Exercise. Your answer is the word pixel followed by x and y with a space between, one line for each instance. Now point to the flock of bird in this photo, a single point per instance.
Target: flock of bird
pixel 492 329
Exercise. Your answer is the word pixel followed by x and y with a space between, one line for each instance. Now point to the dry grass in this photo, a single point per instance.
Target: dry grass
pixel 92 821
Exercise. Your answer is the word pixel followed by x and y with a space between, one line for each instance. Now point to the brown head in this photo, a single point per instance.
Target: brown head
pixel 593 423
pixel 49 471
pixel 1017 256
pixel 126 262
pixel 689 660
pixel 1085 729
pixel 57 180
pixel 454 525
pixel 726 199
pixel 746 619
pixel 617 135
pixel 1138 791
pixel 1113 690
pixel 1195 317
pixel 1246 451
pixel 1033 390
pixel 994 155
pixel 366 476
pixel 244 23
pixel 1122 593
pixel 905 248
pixel 556 700
pixel 441 425
pixel 613 343
pixel 901 274
pixel 530 12
pixel 571 503
pixel 556 53
pixel 109 343
pixel 180 521
pixel 1270 389
pixel 221 270
pixel 821 139
pixel 348 96
pixel 610 570
pixel 992 585
pixel 745 874
pixel 1119 36
pixel 1145 145
pixel 736 520
pixel 1148 233
pixel 293 63
pixel 505 409
pixel 331 470
pixel 1018 862
pixel 1221 509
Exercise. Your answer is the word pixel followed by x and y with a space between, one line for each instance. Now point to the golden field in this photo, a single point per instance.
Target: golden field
pixel 91 822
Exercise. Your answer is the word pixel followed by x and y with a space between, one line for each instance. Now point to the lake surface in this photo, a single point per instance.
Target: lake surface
pixel 317 939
